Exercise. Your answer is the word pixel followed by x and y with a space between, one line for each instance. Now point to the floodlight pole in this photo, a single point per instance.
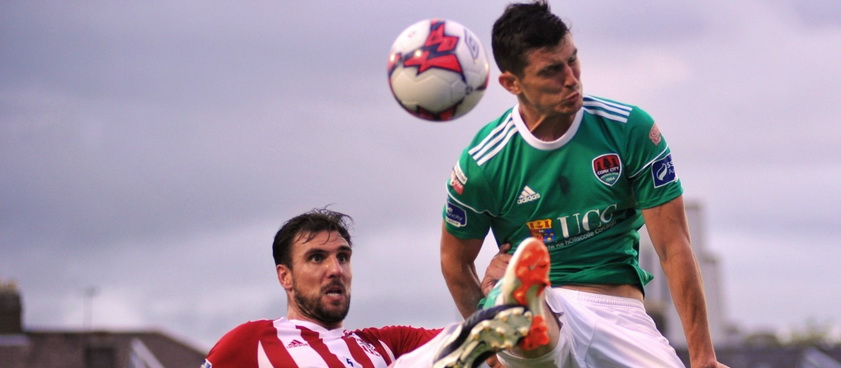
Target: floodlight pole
pixel 89 293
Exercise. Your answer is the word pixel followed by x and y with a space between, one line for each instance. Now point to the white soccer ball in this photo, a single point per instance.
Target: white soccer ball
pixel 437 69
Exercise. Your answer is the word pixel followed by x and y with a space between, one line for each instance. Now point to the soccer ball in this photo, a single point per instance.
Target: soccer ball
pixel 437 69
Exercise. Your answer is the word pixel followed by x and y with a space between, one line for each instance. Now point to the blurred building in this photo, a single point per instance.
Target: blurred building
pixel 732 348
pixel 21 348
pixel 775 357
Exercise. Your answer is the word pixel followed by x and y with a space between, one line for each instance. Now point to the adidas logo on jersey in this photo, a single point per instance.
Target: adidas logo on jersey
pixel 527 195
pixel 295 344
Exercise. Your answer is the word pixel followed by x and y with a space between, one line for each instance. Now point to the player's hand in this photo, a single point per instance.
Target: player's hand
pixel 493 362
pixel 714 365
pixel 496 269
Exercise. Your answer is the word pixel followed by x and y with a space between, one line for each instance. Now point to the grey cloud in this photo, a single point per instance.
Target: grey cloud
pixel 161 144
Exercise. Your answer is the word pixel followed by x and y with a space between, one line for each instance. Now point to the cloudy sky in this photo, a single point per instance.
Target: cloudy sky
pixel 151 150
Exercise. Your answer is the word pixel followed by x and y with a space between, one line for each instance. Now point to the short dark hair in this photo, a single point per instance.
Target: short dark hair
pixel 308 225
pixel 521 28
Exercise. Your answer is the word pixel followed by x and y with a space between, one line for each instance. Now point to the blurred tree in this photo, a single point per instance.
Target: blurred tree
pixel 813 333
pixel 763 339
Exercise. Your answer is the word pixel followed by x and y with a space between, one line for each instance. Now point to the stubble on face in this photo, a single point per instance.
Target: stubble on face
pixel 319 282
pixel 311 305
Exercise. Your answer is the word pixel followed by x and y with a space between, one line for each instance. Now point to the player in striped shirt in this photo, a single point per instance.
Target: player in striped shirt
pixel 312 254
pixel 581 174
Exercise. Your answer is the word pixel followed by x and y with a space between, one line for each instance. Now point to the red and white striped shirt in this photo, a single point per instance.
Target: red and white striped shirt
pixel 294 343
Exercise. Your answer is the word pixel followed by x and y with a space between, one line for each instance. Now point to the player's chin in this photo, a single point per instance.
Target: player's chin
pixel 338 309
pixel 331 314
pixel 570 106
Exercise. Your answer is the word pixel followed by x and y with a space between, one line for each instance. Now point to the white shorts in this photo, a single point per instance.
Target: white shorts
pixel 601 331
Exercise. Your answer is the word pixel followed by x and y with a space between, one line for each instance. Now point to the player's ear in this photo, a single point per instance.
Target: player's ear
pixel 510 82
pixel 284 276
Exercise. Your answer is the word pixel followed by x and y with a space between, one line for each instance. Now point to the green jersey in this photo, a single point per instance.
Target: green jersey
pixel 581 194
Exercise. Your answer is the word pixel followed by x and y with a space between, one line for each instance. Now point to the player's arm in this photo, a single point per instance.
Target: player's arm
pixel 238 347
pixel 458 258
pixel 669 232
pixel 496 268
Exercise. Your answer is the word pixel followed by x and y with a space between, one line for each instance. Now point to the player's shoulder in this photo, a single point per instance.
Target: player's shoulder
pixel 258 324
pixel 385 330
pixel 495 126
pixel 238 346
pixel 610 110
pixel 248 330
pixel 400 331
pixel 399 338
pixel 491 138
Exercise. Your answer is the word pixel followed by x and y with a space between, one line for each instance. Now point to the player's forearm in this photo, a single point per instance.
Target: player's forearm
pixel 669 232
pixel 687 291
pixel 464 286
pixel 458 257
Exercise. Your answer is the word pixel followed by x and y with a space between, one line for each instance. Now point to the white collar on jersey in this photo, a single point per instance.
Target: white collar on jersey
pixel 312 326
pixel 543 145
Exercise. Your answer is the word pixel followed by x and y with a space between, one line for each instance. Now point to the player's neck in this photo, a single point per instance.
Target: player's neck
pixel 546 127
pixel 326 326
pixel 294 313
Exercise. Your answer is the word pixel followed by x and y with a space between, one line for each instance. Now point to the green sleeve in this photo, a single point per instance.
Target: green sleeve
pixel 467 214
pixel 651 168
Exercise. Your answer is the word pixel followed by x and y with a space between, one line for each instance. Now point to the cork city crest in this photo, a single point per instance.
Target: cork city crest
pixel 608 168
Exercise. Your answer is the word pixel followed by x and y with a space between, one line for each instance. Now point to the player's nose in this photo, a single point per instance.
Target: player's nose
pixel 570 78
pixel 334 266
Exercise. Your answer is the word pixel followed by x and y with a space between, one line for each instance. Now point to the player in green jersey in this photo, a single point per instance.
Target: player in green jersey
pixel 581 174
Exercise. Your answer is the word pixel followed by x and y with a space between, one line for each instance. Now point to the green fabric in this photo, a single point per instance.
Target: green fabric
pixel 582 195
